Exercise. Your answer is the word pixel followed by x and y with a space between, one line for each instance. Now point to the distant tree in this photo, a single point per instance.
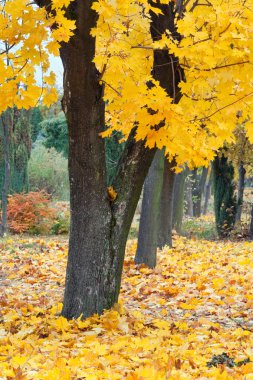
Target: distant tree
pixel 178 202
pixel 208 190
pixel 36 118
pixel 199 177
pixel 149 221
pixel 55 133
pixel 19 145
pixel 166 205
pixel 6 122
pixel 224 195
pixel 20 150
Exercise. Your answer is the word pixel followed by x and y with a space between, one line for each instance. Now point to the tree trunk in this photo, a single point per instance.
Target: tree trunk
pixel 241 181
pixel 99 227
pixel 178 207
pixel 208 191
pixel 197 190
pixel 188 195
pixel 203 179
pixel 166 205
pixel 149 222
pixel 20 145
pixel 168 72
pixel 6 125
pixel 224 197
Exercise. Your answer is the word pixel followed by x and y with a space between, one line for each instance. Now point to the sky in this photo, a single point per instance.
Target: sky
pixel 57 68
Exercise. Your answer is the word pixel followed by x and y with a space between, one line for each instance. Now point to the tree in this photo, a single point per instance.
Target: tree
pixel 224 196
pixel 178 201
pixel 35 121
pixel 55 133
pixel 99 225
pixel 240 154
pixel 188 194
pixel 108 55
pixel 199 180
pixel 168 73
pixel 149 221
pixel 166 205
pixel 6 125
pixel 19 146
pixel 241 184
pixel 208 190
pixel 20 149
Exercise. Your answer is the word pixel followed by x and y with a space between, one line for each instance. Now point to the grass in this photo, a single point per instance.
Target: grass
pixel 200 228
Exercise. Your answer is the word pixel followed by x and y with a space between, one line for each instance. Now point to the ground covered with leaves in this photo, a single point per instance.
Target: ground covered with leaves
pixel 190 318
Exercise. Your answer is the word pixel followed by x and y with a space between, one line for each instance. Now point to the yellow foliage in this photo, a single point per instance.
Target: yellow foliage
pixel 215 53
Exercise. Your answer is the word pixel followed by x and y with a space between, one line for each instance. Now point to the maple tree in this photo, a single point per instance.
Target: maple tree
pixel 120 52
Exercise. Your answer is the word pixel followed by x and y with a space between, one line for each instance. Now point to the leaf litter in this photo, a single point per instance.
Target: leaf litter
pixel 189 318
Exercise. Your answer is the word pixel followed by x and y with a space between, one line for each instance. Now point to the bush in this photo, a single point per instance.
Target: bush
pixel 48 170
pixel 62 219
pixel 30 213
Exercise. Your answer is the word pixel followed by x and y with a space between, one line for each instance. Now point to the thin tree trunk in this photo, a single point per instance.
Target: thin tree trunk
pixel 203 179
pixel 166 205
pixel 149 222
pixel 6 124
pixel 241 182
pixel 188 195
pixel 167 71
pixel 178 207
pixel 197 190
pixel 208 191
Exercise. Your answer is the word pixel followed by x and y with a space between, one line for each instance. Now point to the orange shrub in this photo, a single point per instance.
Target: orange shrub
pixel 30 213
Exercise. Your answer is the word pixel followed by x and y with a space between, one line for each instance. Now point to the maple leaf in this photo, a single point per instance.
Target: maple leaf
pixel 112 194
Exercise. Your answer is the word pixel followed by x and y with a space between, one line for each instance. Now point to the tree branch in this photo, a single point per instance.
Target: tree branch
pixel 132 170
pixel 222 108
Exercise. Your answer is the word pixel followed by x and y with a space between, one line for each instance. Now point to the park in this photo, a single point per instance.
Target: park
pixel 126 189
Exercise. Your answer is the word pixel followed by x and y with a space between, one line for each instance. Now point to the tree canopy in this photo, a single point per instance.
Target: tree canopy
pixel 211 44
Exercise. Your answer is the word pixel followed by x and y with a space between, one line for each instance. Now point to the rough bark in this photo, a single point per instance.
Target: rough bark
pixel 241 183
pixel 178 206
pixel 208 191
pixel 99 227
pixel 166 206
pixel 149 222
pixel 6 120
